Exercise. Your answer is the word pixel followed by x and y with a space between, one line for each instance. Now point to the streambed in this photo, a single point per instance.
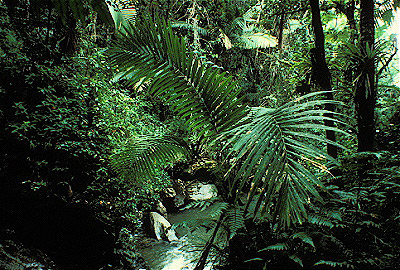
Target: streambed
pixel 183 253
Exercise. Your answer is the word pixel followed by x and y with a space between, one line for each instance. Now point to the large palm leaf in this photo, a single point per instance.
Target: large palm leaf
pixel 152 54
pixel 273 149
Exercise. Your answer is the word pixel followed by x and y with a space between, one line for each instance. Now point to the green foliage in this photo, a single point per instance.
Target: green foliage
pixel 194 91
pixel 252 36
pixel 78 9
pixel 271 141
pixel 234 220
pixel 142 156
pixel 151 55
pixel 279 246
pixel 188 26
pixel 335 264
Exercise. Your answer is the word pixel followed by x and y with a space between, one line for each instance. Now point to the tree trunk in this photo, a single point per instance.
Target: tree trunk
pixel 280 31
pixel 201 263
pixel 365 96
pixel 321 73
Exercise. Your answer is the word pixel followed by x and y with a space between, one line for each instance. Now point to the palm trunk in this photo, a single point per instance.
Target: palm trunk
pixel 321 73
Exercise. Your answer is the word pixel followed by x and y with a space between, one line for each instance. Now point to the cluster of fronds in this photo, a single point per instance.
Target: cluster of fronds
pixel 264 145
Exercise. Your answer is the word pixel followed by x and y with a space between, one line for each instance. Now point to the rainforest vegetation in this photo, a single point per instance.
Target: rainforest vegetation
pixel 127 127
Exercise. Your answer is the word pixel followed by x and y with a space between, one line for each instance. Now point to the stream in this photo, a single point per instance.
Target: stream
pixel 184 253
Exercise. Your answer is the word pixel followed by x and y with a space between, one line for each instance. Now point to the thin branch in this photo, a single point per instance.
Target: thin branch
pixel 385 66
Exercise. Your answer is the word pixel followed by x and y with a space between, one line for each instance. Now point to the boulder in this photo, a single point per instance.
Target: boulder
pixel 199 191
pixel 161 228
pixel 173 197
pixel 161 209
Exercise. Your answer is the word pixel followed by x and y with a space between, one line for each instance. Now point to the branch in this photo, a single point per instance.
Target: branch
pixel 385 66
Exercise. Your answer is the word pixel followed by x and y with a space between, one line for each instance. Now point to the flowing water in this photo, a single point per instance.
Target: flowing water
pixel 184 253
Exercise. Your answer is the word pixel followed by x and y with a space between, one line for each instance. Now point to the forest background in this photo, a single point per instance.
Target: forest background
pixel 90 137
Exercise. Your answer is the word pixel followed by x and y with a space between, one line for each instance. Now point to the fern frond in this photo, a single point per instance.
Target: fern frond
pixel 304 237
pixel 218 209
pixel 296 259
pixel 234 221
pixel 141 158
pixel 335 264
pixel 319 220
pixel 279 246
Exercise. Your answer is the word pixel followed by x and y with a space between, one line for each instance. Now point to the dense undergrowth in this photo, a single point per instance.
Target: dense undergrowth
pixel 65 117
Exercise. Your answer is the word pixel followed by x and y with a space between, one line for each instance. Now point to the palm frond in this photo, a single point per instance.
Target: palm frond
pixel 257 40
pixel 123 12
pixel 271 149
pixel 151 53
pixel 274 148
pixel 144 155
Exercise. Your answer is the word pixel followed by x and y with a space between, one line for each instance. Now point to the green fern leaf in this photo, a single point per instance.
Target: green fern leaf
pixel 304 237
pixel 296 259
pixel 279 246
pixel 335 264
pixel 234 221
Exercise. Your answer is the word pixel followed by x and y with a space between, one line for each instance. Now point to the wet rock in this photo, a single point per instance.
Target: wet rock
pixel 161 228
pixel 199 191
pixel 173 197
pixel 161 209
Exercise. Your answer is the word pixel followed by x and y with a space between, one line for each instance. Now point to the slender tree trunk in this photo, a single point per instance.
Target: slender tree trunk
pixel 352 21
pixel 280 30
pixel 193 17
pixel 365 97
pixel 201 263
pixel 321 73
